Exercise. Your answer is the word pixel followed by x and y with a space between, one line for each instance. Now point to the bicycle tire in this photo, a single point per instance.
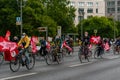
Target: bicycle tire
pixel 59 58
pixel 15 63
pixel 1 58
pixel 30 62
pixel 80 55
pixel 48 59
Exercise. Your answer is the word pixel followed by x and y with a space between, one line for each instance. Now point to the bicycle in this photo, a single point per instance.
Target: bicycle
pixel 116 48
pixel 84 53
pixel 55 55
pixel 99 51
pixel 27 59
pixel 1 57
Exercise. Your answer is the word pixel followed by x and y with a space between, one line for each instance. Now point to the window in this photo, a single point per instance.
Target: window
pixel 111 3
pixel 118 3
pixel 118 9
pixel 110 10
pixel 81 4
pixel 89 10
pixel 97 10
pixel 80 10
pixel 72 3
pixel 89 3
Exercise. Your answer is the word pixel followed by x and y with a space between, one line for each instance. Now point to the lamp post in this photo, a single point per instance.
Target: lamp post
pixel 21 13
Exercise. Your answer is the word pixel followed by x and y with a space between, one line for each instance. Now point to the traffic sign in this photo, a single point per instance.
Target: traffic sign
pixel 18 21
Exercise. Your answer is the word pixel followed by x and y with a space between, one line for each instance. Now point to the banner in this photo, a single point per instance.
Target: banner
pixel 5 45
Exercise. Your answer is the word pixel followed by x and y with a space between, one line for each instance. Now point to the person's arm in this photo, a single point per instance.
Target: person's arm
pixel 27 42
pixel 19 42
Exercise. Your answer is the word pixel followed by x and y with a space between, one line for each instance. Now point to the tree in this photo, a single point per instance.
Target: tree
pixel 36 14
pixel 104 26
pixel 62 13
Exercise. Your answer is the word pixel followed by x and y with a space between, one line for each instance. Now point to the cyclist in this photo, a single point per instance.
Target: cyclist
pixel 86 39
pixel 117 44
pixel 100 47
pixel 85 43
pixel 24 41
pixel 43 46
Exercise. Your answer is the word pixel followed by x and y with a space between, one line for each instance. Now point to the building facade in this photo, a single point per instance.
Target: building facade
pixel 87 8
pixel 112 9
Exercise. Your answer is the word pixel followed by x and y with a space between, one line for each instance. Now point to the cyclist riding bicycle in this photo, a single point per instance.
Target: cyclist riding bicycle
pixel 86 39
pixel 43 47
pixel 24 41
pixel 85 43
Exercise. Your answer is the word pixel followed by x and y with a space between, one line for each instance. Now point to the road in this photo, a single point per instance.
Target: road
pixel 107 68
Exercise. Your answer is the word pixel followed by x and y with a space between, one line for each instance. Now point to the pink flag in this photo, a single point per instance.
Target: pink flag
pixel 65 45
pixel 48 45
pixel 107 47
pixel 33 44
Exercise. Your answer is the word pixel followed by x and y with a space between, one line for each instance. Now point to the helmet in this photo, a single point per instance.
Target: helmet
pixel 23 34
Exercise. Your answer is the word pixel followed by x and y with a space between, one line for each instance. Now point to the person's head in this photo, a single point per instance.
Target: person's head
pixel 23 35
pixel 86 33
pixel 15 37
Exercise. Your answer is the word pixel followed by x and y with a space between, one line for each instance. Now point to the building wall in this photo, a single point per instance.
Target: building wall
pixel 85 4
pixel 112 9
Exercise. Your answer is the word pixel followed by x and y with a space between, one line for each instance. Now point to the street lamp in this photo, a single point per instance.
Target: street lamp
pixel 21 15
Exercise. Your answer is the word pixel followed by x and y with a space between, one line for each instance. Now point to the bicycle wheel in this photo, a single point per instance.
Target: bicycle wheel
pixel 48 59
pixel 90 54
pixel 64 51
pixel 59 58
pixel 15 65
pixel 30 61
pixel 96 54
pixel 1 58
pixel 80 55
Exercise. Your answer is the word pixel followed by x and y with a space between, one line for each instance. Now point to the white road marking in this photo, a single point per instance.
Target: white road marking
pixel 12 77
pixel 112 57
pixel 80 64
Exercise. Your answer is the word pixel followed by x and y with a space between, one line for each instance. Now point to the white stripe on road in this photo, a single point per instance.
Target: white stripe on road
pixel 12 77
pixel 80 64
pixel 112 57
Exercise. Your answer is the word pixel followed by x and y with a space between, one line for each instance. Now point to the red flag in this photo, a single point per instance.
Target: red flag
pixel 95 39
pixel 7 35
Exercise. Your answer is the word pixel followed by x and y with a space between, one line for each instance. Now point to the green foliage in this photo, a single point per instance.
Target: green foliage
pixel 104 26
pixel 37 13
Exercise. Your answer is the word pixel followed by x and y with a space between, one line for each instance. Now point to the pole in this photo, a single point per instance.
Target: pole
pixel 46 33
pixel 114 29
pixel 21 17
pixel 82 25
